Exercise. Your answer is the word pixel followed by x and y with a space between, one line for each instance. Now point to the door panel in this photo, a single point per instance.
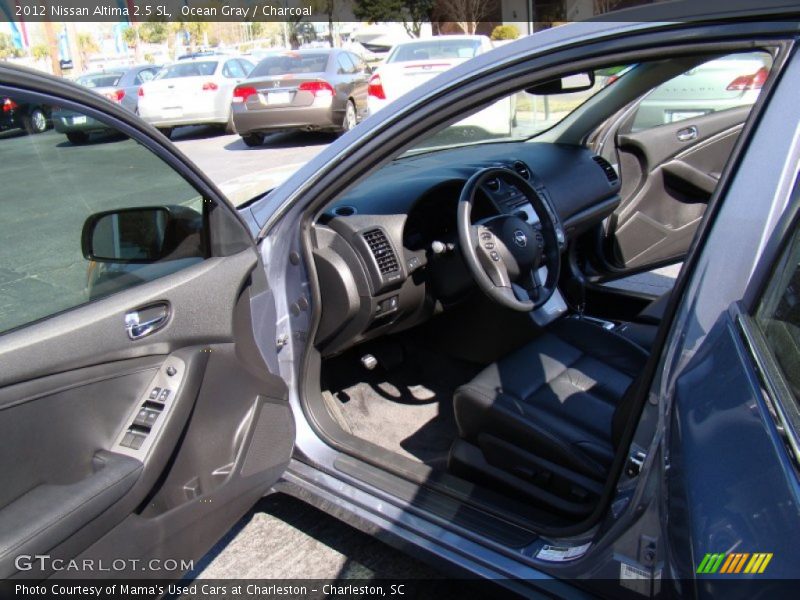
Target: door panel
pixel 669 173
pixel 114 447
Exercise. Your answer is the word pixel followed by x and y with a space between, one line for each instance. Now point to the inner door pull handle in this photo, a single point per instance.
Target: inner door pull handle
pixel 146 320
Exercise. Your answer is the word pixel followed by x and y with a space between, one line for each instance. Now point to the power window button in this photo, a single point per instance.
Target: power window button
pixel 154 393
pixel 162 397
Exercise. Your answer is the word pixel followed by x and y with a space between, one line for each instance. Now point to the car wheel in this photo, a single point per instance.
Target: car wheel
pixel 253 139
pixel 35 122
pixel 78 137
pixel 166 131
pixel 350 117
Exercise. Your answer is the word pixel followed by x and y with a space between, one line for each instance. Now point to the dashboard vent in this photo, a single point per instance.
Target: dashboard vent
pixel 382 251
pixel 611 174
pixel 522 169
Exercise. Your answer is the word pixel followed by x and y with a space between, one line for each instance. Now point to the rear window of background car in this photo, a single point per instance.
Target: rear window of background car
pixel 188 69
pixel 291 64
pixel 449 49
pixel 97 80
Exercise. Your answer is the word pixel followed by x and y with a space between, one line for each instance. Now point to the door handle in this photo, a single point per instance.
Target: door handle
pixel 144 321
pixel 687 134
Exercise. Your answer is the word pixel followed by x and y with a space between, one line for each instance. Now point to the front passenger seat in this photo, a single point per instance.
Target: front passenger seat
pixel 548 416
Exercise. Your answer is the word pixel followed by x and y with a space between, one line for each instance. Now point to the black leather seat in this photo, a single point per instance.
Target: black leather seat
pixel 561 398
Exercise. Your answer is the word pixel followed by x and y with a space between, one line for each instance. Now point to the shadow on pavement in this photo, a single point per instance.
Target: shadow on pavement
pixel 286 139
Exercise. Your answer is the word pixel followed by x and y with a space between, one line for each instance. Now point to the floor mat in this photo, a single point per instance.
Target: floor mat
pixel 407 409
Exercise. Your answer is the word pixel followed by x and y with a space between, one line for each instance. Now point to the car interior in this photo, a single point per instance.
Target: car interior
pixel 470 337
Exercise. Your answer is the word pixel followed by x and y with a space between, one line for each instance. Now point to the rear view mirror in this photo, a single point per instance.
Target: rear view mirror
pixel 577 82
pixel 141 235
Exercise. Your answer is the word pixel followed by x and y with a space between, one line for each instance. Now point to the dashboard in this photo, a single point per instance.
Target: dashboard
pixel 387 255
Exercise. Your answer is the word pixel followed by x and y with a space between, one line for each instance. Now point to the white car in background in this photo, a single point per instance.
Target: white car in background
pixel 411 64
pixel 195 91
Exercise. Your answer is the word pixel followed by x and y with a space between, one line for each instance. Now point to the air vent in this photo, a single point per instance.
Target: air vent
pixel 382 251
pixel 522 169
pixel 611 174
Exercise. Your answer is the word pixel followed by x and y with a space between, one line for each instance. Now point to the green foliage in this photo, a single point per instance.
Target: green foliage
pixel 505 32
pixel 149 58
pixel 40 52
pixel 129 37
pixel 154 32
pixel 7 49
pixel 413 13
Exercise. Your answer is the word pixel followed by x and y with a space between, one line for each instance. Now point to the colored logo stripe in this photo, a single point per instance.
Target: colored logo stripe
pixel 734 563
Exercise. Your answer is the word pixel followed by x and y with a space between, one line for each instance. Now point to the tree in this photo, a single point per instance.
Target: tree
pixel 154 32
pixel 7 48
pixel 40 52
pixel 86 46
pixel 464 13
pixel 130 37
pixel 413 13
pixel 604 6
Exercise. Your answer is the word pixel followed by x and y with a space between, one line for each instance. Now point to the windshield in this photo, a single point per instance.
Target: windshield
pixel 291 63
pixel 98 80
pixel 188 69
pixel 435 50
pixel 521 115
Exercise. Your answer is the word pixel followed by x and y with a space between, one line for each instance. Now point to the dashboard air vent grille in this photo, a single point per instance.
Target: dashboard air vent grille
pixel 522 169
pixel 611 174
pixel 382 251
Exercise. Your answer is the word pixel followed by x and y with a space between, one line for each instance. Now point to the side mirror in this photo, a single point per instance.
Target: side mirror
pixel 142 235
pixel 577 82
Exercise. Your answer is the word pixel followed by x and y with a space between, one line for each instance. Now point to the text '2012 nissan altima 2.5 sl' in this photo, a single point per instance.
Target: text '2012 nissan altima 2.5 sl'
pixel 416 331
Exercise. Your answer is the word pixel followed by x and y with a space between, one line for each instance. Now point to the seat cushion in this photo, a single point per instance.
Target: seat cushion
pixel 555 397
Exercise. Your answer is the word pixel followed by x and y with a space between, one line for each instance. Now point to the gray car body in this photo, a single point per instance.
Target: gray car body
pixel 255 115
pixel 710 284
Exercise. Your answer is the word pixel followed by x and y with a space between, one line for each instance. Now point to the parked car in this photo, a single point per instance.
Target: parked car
pixel 194 91
pixel 121 86
pixel 419 340
pixel 312 90
pixel 32 118
pixel 411 64
pixel 727 82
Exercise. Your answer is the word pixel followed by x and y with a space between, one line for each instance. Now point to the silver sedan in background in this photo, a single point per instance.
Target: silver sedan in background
pixel 195 91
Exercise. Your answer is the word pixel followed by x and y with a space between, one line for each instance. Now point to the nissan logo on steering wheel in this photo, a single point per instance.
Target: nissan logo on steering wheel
pixel 520 239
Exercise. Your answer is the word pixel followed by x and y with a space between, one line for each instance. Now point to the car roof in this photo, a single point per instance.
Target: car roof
pixel 439 38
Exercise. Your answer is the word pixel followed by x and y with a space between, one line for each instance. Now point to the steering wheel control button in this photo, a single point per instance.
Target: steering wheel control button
pixel 486 236
pixel 489 245
pixel 494 255
pixel 154 393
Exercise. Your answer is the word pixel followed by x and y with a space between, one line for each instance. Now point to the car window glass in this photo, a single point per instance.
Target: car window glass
pixel 358 62
pixel 344 64
pixel 246 65
pixel 188 69
pixel 233 69
pixel 291 63
pixel 54 183
pixel 778 315
pixel 723 83
pixel 145 75
pixel 98 80
pixel 436 50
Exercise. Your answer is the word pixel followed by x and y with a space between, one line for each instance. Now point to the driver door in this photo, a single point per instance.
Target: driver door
pixel 138 420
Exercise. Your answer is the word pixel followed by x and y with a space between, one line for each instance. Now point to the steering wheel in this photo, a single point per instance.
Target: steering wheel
pixel 504 253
